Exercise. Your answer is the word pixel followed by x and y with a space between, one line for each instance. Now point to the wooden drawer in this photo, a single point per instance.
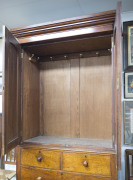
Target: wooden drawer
pixel 81 177
pixel 38 174
pixel 40 158
pixel 95 164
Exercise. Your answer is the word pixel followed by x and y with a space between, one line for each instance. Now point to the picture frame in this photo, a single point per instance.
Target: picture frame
pixel 128 45
pixel 0 83
pixel 129 85
pixel 128 122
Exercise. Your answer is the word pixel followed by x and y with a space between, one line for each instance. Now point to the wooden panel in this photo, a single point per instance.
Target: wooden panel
pixel 55 102
pixel 18 157
pixel 40 158
pixel 82 104
pixel 75 123
pixel 81 177
pixel 105 29
pixel 11 99
pixel 80 45
pixel 96 97
pixel 97 164
pixel 30 173
pixel 38 174
pixel 118 65
pixel 31 98
pixel 114 167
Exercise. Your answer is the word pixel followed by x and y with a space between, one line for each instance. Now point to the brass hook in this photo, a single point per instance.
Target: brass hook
pixel 97 53
pixel 65 56
pixel 51 58
pixel 81 55
pixel 30 58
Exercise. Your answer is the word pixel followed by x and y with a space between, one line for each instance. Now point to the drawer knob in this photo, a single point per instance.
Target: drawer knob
pixel 85 164
pixel 39 158
pixel 38 178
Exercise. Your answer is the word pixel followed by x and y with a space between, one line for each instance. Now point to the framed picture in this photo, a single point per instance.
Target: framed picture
pixel 128 45
pixel 0 82
pixel 128 122
pixel 129 85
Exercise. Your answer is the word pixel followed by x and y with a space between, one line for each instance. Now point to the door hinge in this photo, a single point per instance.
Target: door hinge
pixel 118 83
pixel 112 44
pixel 113 138
pixel 22 55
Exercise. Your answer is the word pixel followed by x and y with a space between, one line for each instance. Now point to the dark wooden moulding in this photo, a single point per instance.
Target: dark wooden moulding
pixel 100 22
pixel 45 40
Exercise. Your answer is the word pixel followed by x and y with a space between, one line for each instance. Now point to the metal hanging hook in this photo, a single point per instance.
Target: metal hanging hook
pixel 51 58
pixel 97 53
pixel 80 55
pixel 30 58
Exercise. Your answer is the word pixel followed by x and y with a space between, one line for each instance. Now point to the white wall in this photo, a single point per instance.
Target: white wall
pixel 17 13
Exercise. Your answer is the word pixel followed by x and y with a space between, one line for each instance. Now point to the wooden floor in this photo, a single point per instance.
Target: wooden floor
pixel 71 141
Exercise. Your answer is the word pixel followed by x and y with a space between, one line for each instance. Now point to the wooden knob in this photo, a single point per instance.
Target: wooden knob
pixel 39 158
pixel 85 164
pixel 39 178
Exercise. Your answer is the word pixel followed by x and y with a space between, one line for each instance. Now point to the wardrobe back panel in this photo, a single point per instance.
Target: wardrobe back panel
pixel 96 97
pixel 31 98
pixel 76 98
pixel 55 98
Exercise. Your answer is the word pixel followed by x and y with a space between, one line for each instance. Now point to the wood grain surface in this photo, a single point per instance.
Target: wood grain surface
pixel 55 102
pixel 49 159
pixel 97 164
pixel 80 106
pixel 31 98
pixel 39 174
pixel 11 92
pixel 81 177
pixel 96 97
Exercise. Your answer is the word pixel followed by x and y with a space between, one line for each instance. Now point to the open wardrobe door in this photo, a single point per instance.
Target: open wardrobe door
pixel 117 56
pixel 11 92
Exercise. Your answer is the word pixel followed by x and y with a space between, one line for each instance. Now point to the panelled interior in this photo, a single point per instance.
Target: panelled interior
pixel 31 98
pixel 70 99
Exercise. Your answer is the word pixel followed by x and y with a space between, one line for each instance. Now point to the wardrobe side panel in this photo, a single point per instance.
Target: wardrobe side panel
pixel 31 98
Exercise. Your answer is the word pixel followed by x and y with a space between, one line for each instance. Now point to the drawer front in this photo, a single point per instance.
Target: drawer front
pixel 81 177
pixel 40 158
pixel 87 163
pixel 37 174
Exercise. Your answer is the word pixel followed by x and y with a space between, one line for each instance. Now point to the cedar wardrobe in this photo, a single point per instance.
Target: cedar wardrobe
pixel 62 98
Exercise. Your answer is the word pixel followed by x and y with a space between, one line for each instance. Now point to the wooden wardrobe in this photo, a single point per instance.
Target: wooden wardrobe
pixel 62 96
